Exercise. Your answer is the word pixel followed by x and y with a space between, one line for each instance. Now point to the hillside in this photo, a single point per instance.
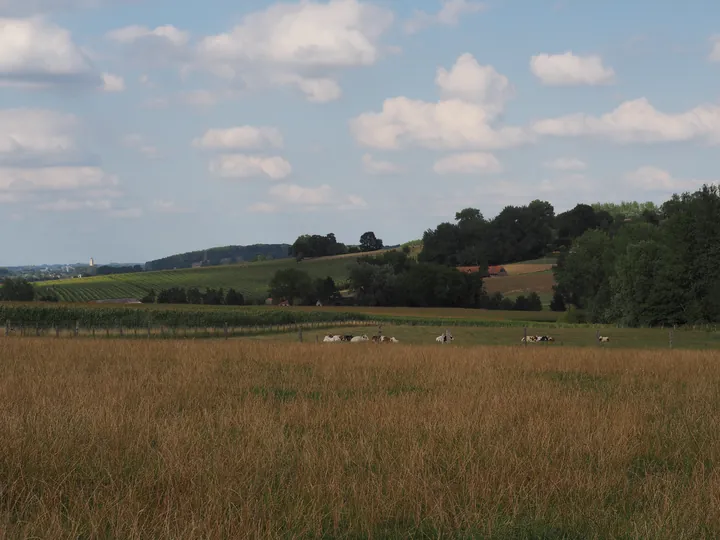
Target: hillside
pixel 250 279
pixel 219 255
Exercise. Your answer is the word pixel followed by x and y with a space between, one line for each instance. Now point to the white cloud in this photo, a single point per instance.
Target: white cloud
pixel 54 178
pixel 138 142
pixel 447 124
pixel 307 198
pixel 112 83
pixel 715 52
pixel 568 69
pixel 37 53
pixel 246 166
pixel 468 163
pixel 373 166
pixel 444 125
pixel 68 205
pixel 263 208
pixel 135 33
pixel 449 14
pixel 317 90
pixel 469 81
pixel 240 138
pixel 638 121
pixel 168 207
pixel 35 133
pixel 648 178
pixel 565 164
pixel 298 44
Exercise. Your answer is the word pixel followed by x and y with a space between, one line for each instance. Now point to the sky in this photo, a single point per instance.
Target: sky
pixel 134 129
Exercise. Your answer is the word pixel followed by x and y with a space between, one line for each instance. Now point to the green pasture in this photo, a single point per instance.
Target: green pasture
pixel 578 336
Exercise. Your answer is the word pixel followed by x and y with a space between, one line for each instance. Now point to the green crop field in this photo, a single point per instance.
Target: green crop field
pixel 250 279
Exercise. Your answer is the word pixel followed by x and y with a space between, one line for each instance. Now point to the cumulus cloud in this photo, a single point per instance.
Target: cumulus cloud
pixel 249 166
pixel 469 81
pixel 139 143
pixel 448 15
pixel 112 83
pixel 568 69
pixel 291 196
pixel 263 208
pixel 638 121
pixel 468 163
pixel 135 33
pixel 69 205
pixel 373 166
pixel 450 124
pixel 565 164
pixel 37 53
pixel 453 123
pixel 715 52
pixel 168 207
pixel 240 138
pixel 298 44
pixel 648 178
pixel 35 133
pixel 54 178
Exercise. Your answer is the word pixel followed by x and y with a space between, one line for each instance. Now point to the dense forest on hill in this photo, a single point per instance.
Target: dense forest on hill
pixel 220 255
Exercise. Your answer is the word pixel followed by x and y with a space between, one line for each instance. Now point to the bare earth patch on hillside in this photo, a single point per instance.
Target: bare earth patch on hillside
pixel 524 268
pixel 539 282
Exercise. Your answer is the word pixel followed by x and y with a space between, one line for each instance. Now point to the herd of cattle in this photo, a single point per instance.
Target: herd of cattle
pixel 357 339
pixel 442 338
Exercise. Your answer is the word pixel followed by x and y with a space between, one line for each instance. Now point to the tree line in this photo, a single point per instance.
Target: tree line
pixel 661 270
pixel 316 245
pixel 193 295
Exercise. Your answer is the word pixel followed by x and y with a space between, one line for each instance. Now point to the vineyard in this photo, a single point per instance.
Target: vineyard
pixel 191 316
pixel 249 279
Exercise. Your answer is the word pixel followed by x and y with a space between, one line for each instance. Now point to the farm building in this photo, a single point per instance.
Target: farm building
pixel 492 271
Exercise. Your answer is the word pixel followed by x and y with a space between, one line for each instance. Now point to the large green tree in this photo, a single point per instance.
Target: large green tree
pixel 17 290
pixel 290 284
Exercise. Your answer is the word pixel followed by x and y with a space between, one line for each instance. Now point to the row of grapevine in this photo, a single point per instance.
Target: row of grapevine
pixel 210 316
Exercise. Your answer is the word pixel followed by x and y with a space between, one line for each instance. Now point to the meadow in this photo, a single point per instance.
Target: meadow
pixel 249 279
pixel 240 439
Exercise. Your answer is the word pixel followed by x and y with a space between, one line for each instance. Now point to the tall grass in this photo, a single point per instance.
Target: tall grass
pixel 236 439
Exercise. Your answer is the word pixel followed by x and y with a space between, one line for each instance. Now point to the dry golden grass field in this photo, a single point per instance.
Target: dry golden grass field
pixel 239 439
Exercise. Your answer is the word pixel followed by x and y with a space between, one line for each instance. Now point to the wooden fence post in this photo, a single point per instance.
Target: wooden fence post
pixel 525 340
pixel 37 329
pixel 300 334
pixel 148 330
pixel 77 328
pixel 57 331
pixel 120 329
pixel 226 330
pixel 670 333
pixel 7 328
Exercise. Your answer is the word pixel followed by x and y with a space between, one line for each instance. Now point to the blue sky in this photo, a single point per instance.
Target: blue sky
pixel 134 129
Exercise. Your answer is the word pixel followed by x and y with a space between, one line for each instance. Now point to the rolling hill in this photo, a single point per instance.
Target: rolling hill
pixel 251 279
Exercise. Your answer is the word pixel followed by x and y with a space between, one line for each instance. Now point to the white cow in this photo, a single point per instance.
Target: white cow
pixel 358 339
pixel 329 338
pixel 444 338
pixel 603 339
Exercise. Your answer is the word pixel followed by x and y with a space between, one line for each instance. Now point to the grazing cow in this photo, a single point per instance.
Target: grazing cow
pixel 529 339
pixel 387 339
pixel 357 339
pixel 376 339
pixel 394 340
pixel 346 337
pixel 603 339
pixel 328 338
pixel 544 338
pixel 444 338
